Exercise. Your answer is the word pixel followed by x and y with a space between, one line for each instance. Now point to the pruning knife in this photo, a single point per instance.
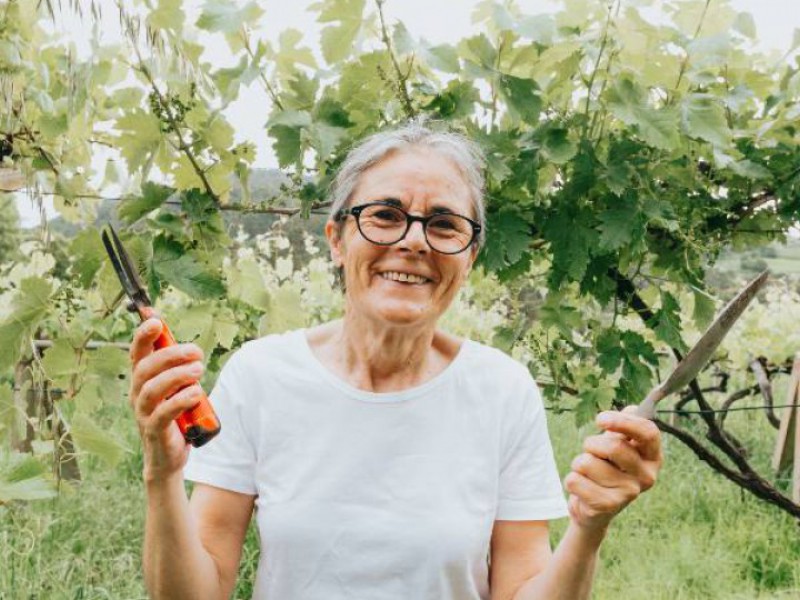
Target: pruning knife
pixel 198 424
pixel 701 352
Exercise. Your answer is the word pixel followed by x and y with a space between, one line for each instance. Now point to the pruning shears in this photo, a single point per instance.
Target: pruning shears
pixel 198 424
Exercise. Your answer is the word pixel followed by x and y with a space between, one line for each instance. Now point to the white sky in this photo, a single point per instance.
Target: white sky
pixel 439 21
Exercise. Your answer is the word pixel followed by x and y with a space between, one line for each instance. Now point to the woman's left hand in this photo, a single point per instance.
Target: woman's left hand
pixel 615 467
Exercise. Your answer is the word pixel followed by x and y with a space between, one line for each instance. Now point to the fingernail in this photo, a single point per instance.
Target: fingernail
pixel 196 369
pixel 604 419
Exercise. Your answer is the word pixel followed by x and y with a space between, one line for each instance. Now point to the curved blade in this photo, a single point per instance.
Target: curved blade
pixel 698 356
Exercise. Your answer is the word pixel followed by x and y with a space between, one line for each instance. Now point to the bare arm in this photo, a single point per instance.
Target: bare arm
pixel 614 469
pixel 192 548
pixel 524 568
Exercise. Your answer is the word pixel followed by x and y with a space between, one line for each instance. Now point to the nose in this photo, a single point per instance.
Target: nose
pixel 415 238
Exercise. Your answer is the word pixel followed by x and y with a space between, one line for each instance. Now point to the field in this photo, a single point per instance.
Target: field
pixel 694 536
pixel 781 259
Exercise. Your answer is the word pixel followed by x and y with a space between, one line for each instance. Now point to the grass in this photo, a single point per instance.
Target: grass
pixel 694 536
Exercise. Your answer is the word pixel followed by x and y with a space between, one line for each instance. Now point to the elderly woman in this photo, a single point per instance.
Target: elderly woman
pixel 385 458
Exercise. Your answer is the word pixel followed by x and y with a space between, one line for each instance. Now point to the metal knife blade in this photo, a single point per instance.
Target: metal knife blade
pixel 701 352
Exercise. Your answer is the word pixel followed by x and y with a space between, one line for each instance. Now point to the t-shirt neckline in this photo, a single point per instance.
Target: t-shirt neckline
pixel 382 397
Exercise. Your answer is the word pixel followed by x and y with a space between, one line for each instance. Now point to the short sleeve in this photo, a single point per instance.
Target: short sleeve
pixel 229 460
pixel 530 487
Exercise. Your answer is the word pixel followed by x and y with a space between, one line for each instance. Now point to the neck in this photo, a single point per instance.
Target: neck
pixel 378 357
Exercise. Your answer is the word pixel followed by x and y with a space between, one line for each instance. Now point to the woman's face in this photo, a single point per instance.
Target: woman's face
pixel 422 180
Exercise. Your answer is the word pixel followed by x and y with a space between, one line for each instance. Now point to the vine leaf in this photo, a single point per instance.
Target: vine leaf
pixel 153 195
pixel 30 305
pixel 703 118
pixel 337 40
pixel 657 127
pixel 93 438
pixel 522 97
pixel 176 266
pixel 227 16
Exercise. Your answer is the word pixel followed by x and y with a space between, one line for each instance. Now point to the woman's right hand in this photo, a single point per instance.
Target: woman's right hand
pixel 163 385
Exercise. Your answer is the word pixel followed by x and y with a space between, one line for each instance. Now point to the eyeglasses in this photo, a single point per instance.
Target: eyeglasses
pixel 384 224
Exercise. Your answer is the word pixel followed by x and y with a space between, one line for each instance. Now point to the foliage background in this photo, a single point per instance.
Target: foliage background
pixel 624 157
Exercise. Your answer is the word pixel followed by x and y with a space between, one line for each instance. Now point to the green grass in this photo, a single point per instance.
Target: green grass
pixel 694 536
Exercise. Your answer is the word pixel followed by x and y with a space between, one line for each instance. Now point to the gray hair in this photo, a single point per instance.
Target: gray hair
pixel 466 154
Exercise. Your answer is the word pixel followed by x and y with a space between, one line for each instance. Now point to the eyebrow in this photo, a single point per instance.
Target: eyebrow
pixel 435 210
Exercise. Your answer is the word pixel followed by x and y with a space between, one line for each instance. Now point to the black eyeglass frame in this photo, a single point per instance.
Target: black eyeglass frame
pixel 410 219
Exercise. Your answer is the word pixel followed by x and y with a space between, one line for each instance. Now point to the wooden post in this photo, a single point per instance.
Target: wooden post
pixel 787 450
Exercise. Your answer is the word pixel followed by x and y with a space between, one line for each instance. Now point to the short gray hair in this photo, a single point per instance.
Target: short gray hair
pixel 466 154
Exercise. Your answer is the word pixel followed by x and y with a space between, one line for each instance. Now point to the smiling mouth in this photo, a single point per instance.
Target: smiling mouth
pixel 405 278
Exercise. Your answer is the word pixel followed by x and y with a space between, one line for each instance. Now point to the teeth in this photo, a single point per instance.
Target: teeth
pixel 405 277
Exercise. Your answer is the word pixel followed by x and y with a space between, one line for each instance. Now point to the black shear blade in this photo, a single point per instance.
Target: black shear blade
pixel 124 266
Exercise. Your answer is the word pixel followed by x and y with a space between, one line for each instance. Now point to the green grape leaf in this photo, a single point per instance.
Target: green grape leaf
pixel 522 96
pixel 566 319
pixel 337 40
pixel 593 399
pixel 290 54
pixel 557 147
pixel 704 310
pixel 509 240
pixel 30 305
pixel 657 127
pixel 571 241
pixel 227 16
pixel 91 437
pixel 176 266
pixel 620 226
pixel 703 117
pixel 666 322
pixel 246 283
pixel 153 195
pixel 167 15
pixel 139 137
pixel 456 101
pixel 442 57
pixel 61 362
pixel 750 170
pixel 88 255
pixel 285 311
pixel 609 350
pixel 287 145
pixel 23 477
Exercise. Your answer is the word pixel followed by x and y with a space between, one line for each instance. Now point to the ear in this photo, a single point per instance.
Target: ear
pixel 334 242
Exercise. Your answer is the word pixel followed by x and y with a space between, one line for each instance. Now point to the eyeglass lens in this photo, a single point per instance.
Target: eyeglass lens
pixel 387 225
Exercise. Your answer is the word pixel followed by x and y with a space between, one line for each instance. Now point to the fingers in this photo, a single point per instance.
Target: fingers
pixel 643 432
pixel 165 384
pixel 616 450
pixel 598 500
pixel 601 471
pixel 143 339
pixel 168 410
pixel 160 360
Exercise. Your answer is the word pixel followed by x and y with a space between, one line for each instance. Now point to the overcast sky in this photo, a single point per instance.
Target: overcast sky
pixel 438 21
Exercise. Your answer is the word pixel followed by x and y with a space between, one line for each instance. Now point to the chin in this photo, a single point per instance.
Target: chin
pixel 404 313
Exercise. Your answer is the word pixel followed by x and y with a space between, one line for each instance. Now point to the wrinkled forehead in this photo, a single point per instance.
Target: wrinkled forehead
pixel 420 178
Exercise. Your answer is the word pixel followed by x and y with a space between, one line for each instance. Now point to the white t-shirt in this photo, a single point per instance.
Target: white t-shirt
pixel 378 496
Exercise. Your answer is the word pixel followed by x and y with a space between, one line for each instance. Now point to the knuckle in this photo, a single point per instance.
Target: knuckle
pixel 591 442
pixel 570 481
pixel 147 390
pixel 617 447
pixel 647 480
pixel 577 463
